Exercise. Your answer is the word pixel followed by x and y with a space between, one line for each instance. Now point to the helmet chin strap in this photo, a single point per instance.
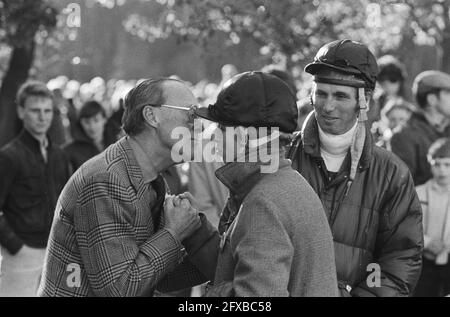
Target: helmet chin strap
pixel 252 146
pixel 359 137
pixel 363 105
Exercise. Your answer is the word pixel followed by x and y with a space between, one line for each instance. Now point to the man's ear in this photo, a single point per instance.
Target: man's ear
pixel 20 112
pixel 312 94
pixel 150 116
pixel 432 99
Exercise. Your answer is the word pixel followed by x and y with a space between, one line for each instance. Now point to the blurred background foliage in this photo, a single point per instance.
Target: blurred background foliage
pixel 193 39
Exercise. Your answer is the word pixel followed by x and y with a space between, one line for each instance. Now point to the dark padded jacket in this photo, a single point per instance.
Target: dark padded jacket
pixel 29 189
pixel 378 221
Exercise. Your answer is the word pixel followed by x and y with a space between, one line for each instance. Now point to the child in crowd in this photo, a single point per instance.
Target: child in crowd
pixel 394 115
pixel 435 199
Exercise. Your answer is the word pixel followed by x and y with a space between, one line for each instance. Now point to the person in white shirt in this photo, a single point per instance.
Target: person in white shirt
pixel 435 200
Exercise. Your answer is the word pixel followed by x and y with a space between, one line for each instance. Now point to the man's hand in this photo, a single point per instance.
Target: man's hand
pixel 181 218
pixel 436 247
pixel 190 198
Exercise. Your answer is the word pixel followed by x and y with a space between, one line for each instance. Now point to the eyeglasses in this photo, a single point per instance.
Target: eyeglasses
pixel 189 108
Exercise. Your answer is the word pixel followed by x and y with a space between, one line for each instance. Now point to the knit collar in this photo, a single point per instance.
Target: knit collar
pixel 33 143
pixel 241 177
pixel 336 144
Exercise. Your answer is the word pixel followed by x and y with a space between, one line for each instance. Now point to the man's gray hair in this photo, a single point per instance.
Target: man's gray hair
pixel 149 92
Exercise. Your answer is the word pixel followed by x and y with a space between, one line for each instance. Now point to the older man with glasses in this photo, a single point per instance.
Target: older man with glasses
pixel 115 233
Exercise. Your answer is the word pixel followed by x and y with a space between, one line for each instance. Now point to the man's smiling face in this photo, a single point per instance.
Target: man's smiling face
pixel 336 107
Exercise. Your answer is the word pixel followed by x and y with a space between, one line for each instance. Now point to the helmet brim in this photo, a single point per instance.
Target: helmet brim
pixel 314 67
pixel 205 114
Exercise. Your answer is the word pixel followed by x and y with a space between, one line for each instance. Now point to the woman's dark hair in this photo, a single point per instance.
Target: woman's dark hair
pixel 90 109
pixel 391 69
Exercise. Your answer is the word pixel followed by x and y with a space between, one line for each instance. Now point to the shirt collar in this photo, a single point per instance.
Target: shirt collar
pixel 44 143
pixel 149 172
pixel 32 142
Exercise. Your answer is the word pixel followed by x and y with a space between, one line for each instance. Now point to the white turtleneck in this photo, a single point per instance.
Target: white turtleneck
pixel 334 148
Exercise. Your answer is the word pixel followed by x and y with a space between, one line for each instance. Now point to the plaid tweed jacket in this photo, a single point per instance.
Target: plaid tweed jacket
pixel 103 242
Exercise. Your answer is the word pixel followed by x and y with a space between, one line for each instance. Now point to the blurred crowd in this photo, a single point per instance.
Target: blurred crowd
pixel 389 109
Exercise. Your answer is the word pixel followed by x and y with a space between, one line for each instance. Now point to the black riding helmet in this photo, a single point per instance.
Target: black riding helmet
pixel 348 57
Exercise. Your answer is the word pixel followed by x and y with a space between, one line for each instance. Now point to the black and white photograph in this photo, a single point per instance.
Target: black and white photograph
pixel 247 150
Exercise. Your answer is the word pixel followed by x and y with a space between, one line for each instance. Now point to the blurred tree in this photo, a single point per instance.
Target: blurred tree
pixel 103 45
pixel 20 22
pixel 430 23
pixel 416 31
pixel 291 31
